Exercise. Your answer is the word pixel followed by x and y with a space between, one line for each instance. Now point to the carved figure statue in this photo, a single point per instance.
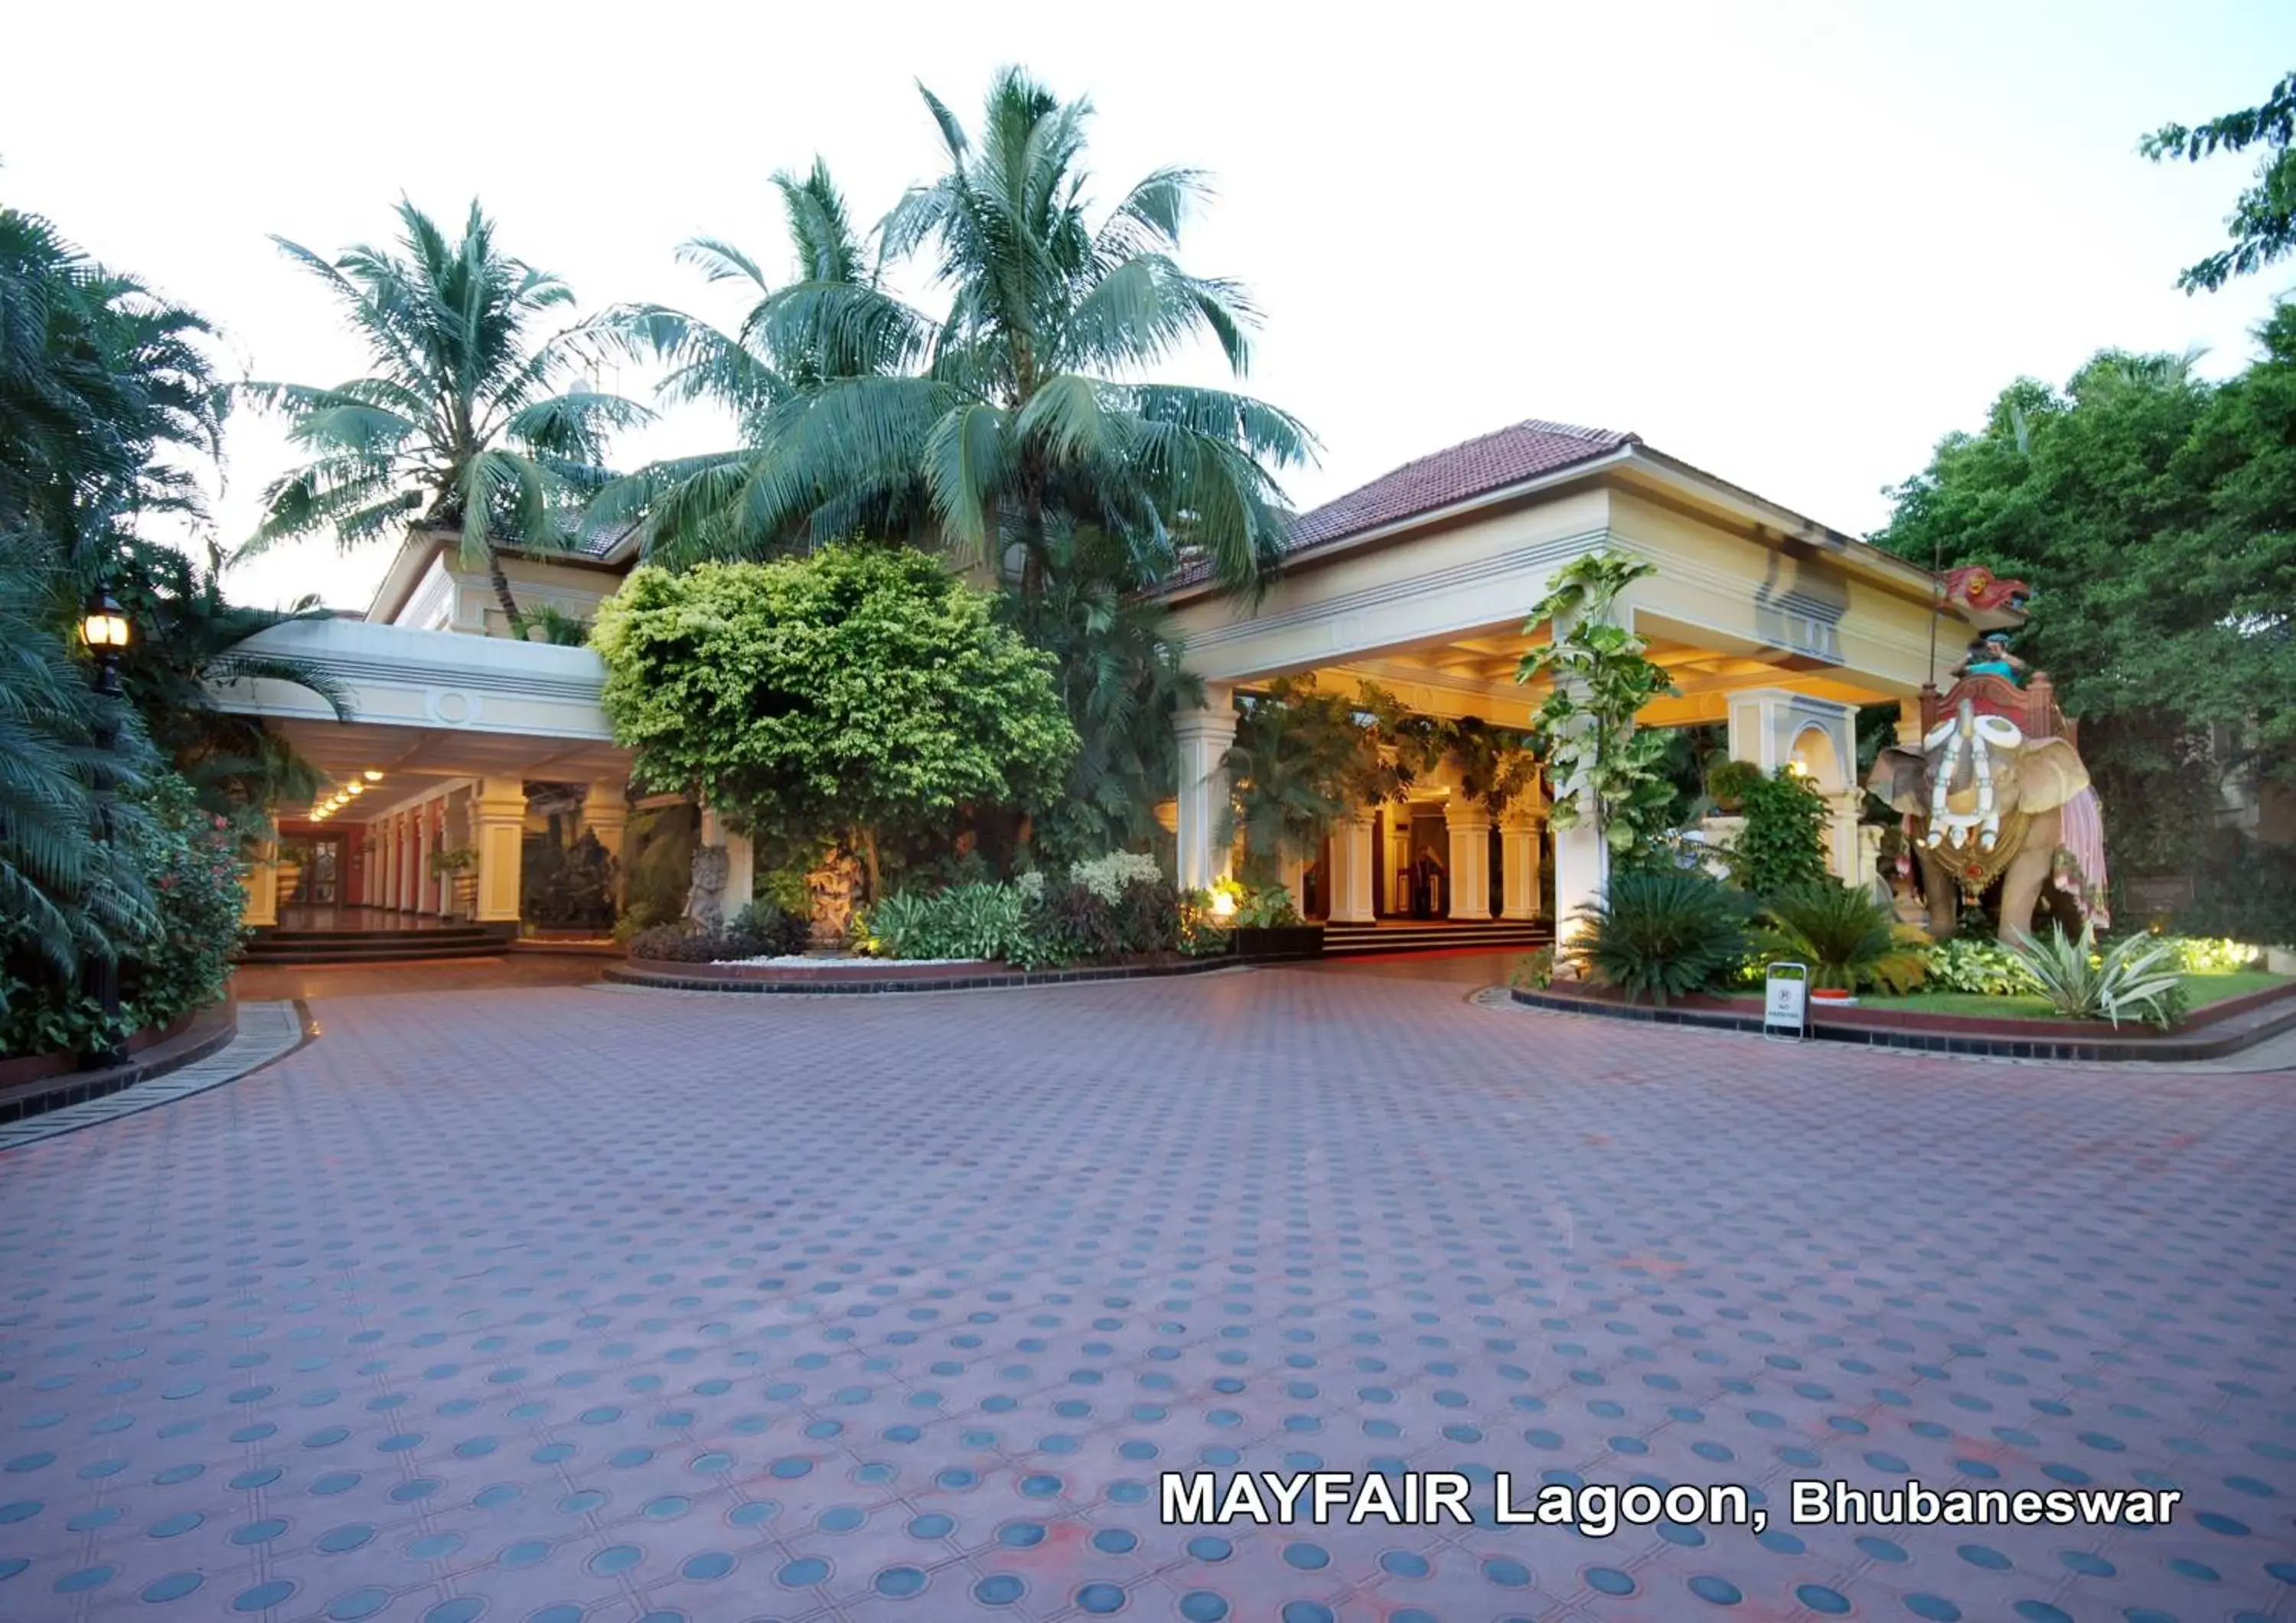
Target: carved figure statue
pixel 1990 655
pixel 705 895
pixel 1984 799
pixel 830 888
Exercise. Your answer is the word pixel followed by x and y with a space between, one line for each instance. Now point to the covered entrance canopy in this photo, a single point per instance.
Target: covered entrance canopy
pixel 1422 582
pixel 447 731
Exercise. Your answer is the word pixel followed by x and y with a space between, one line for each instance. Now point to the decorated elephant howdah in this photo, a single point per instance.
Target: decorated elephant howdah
pixel 1984 799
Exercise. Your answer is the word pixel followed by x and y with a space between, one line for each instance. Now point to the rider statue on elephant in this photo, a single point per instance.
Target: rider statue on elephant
pixel 1994 788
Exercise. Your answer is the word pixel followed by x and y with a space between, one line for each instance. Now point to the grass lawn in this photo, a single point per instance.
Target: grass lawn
pixel 2202 989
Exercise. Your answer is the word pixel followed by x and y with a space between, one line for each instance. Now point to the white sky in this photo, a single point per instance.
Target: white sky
pixel 1792 244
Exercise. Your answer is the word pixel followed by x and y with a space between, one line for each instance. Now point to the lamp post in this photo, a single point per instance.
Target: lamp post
pixel 105 628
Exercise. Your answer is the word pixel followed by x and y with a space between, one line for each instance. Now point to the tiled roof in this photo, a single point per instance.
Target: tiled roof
pixel 1490 462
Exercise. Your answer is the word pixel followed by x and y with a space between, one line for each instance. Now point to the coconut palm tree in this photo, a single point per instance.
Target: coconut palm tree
pixel 1031 397
pixel 693 506
pixel 468 421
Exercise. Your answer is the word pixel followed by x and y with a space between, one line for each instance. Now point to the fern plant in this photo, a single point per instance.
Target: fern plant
pixel 1847 938
pixel 1663 933
pixel 2139 976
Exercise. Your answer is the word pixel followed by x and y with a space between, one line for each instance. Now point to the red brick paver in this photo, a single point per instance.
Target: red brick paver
pixel 561 1303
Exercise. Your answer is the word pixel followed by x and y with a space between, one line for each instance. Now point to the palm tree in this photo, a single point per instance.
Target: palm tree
pixel 1029 399
pixel 693 507
pixel 100 377
pixel 467 422
pixel 64 892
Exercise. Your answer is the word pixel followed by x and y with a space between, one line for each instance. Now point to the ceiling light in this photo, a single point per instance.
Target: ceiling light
pixel 355 788
pixel 372 776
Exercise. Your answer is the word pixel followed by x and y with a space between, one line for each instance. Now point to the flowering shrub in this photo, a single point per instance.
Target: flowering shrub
pixel 191 858
pixel 175 958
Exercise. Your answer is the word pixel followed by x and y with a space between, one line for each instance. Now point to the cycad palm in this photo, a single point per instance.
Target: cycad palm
pixel 1029 399
pixel 466 423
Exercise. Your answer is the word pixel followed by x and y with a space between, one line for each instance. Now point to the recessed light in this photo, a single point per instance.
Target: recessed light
pixel 372 776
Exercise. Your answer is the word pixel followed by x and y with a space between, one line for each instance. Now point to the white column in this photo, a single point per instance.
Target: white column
pixel 498 819
pixel 1397 858
pixel 740 861
pixel 1294 869
pixel 1468 822
pixel 425 817
pixel 458 830
pixel 1205 736
pixel 1518 858
pixel 388 897
pixel 261 884
pixel 409 861
pixel 1844 846
pixel 1352 857
pixel 1582 873
pixel 606 815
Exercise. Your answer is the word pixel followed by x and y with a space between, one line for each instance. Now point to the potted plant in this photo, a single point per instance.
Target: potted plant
pixel 460 864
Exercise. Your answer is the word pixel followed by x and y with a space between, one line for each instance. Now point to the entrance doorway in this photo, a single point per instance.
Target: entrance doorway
pixel 318 865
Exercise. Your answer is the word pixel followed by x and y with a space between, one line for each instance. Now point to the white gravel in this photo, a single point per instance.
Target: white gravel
pixel 809 961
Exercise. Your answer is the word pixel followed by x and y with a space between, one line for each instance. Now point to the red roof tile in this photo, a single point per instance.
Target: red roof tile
pixel 1490 462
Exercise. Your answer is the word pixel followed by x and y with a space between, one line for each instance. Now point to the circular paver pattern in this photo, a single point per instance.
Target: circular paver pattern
pixel 482 1303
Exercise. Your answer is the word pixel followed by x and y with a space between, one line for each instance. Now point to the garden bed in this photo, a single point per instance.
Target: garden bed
pixel 2224 1027
pixel 892 974
pixel 36 1083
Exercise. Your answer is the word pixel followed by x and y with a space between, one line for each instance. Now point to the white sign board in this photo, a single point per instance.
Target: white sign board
pixel 1785 1001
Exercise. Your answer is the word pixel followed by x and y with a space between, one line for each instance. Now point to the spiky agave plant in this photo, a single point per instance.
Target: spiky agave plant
pixel 2139 976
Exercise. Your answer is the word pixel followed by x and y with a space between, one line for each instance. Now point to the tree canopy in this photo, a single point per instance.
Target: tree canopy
pixel 2154 514
pixel 469 422
pixel 861 693
pixel 2263 222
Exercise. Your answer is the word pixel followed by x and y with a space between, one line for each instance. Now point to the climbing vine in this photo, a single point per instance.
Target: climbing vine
pixel 1600 766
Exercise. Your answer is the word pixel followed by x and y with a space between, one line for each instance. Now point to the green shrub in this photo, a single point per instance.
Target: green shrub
pixel 1109 876
pixel 1983 968
pixel 1534 971
pixel 2202 955
pixel 1075 924
pixel 1727 783
pixel 772 930
pixel 1203 934
pixel 965 921
pixel 1783 843
pixel 1663 933
pixel 173 960
pixel 759 930
pixel 2137 977
pixel 1848 939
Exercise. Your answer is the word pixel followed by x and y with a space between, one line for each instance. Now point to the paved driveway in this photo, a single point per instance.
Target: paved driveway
pixel 561 1303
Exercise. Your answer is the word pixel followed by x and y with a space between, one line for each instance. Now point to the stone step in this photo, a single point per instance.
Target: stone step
pixel 372 946
pixel 1346 940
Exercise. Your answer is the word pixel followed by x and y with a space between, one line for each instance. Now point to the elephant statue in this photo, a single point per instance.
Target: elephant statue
pixel 1983 801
